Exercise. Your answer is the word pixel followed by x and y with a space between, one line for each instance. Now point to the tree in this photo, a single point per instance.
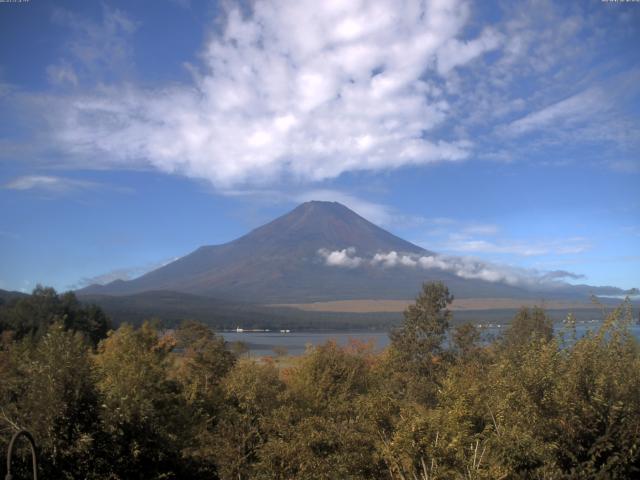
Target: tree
pixel 52 395
pixel 597 425
pixel 144 410
pixel 252 391
pixel 239 348
pixel 416 347
pixel 200 368
pixel 33 315
pixel 323 429
pixel 465 339
pixel 528 325
pixel 205 360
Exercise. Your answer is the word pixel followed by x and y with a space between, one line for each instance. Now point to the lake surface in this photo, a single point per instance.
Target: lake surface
pixel 295 343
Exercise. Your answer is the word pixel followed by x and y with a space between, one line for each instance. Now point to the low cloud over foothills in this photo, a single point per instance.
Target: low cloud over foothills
pixel 508 133
pixel 464 267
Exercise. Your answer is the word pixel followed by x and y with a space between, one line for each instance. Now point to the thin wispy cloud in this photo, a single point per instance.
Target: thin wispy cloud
pixel 549 86
pixel 49 183
pixel 57 185
pixel 578 108
pixel 95 50
pixel 126 273
pixel 625 166
pixel 62 73
pixel 481 229
pixel 566 246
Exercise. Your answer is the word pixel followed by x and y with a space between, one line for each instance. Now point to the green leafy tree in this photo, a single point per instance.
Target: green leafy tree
pixel 416 352
pixel 528 325
pixel 34 314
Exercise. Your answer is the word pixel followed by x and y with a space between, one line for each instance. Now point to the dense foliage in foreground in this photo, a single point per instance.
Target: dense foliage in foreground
pixel 147 404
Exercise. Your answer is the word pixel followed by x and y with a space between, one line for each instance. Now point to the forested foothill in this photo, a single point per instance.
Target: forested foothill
pixel 147 403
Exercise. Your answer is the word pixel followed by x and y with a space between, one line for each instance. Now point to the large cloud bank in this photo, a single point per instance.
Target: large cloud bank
pixel 464 267
pixel 294 88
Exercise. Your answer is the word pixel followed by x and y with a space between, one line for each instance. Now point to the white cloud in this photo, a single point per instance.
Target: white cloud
pixel 464 267
pixel 48 183
pixel 61 74
pixel 565 246
pixel 581 107
pixel 392 259
pixel 341 258
pixel 299 89
pixel 455 52
pixel 471 268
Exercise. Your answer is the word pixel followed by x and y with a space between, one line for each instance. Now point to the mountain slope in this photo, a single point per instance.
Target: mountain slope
pixel 280 263
pixel 7 296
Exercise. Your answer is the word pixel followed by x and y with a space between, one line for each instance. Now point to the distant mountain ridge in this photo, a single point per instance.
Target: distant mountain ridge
pixel 7 295
pixel 280 262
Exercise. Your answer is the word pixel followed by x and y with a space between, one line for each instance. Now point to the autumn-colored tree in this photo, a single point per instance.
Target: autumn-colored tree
pixel 47 388
pixel 252 392
pixel 200 366
pixel 143 409
pixel 465 340
pixel 597 425
pixel 203 362
pixel 323 431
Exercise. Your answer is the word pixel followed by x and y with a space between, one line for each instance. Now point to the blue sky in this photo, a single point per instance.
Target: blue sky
pixel 134 132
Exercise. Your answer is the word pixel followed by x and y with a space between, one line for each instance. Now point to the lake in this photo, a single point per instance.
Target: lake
pixel 263 343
